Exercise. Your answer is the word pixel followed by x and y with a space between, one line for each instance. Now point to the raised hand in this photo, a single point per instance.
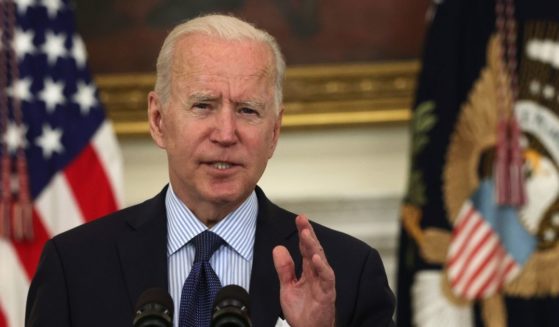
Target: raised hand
pixel 310 300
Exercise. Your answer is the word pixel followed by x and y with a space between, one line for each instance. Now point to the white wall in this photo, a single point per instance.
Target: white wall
pixel 364 162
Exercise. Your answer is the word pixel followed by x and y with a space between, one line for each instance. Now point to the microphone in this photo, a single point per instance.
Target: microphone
pixel 154 309
pixel 231 308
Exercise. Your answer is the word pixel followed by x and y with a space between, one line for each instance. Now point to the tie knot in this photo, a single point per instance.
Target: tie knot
pixel 206 243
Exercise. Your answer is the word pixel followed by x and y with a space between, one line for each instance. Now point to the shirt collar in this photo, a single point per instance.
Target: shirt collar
pixel 237 229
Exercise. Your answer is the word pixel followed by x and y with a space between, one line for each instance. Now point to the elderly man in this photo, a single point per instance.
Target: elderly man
pixel 216 111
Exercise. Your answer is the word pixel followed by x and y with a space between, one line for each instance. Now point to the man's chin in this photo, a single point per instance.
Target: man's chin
pixel 227 195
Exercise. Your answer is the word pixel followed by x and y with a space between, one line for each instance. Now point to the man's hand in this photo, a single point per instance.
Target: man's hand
pixel 309 301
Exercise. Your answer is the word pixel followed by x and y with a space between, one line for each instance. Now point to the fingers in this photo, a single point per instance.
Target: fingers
pixel 308 242
pixel 302 222
pixel 325 273
pixel 313 254
pixel 285 269
pixel 284 265
pixel 317 277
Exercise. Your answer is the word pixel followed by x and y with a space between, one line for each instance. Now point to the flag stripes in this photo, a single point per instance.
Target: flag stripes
pixel 97 184
pixel 29 252
pixel 57 209
pixel 107 150
pixel 53 116
pixel 56 199
pixel 13 279
pixel 478 264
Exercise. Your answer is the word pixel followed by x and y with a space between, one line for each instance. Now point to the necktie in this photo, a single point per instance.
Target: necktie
pixel 201 285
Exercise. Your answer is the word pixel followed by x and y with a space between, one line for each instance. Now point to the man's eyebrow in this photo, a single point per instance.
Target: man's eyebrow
pixel 210 96
pixel 251 103
pixel 203 96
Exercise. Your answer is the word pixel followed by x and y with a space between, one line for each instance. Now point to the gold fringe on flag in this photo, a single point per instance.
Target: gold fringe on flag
pixel 539 276
pixel 433 242
pixel 16 213
pixel 475 134
pixel 493 311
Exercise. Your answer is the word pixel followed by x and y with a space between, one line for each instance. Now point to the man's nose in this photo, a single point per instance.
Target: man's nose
pixel 225 129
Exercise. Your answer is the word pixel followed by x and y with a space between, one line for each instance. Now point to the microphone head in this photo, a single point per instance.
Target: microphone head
pixel 231 308
pixel 154 309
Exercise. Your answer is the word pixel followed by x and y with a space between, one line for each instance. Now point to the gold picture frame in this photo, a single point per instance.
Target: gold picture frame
pixel 314 96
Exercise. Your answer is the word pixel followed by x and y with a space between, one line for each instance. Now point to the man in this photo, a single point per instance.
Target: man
pixel 216 111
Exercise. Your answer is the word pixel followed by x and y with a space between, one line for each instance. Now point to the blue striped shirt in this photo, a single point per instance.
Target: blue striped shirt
pixel 232 262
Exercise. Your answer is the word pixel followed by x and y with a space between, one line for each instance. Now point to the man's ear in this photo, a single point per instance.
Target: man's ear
pixel 155 119
pixel 276 132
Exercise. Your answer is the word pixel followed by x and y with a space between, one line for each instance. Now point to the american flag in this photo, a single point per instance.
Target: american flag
pixel 59 155
pixel 488 246
pixel 478 264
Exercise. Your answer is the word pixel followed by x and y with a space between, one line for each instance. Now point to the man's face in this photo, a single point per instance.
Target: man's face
pixel 219 126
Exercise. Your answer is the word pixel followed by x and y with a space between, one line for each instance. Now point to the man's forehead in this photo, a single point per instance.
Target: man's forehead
pixel 204 54
pixel 201 77
pixel 216 88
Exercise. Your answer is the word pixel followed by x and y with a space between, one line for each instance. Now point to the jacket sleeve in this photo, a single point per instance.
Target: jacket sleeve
pixel 375 301
pixel 47 300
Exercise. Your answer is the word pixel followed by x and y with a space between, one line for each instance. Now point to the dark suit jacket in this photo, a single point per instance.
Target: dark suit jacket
pixel 93 275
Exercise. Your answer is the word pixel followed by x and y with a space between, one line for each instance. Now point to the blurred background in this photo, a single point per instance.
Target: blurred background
pixel 428 129
pixel 343 154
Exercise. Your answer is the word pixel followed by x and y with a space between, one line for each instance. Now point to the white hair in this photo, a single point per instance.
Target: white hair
pixel 224 27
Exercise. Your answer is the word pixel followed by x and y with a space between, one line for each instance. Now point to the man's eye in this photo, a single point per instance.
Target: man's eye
pixel 248 111
pixel 201 106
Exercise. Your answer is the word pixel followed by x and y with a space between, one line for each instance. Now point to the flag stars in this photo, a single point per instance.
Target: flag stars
pixel 22 5
pixel 85 97
pixel 548 92
pixel 52 94
pixel 22 89
pixel 15 137
pixel 23 43
pixel 78 51
pixel 549 235
pixel 54 47
pixel 50 141
pixel 53 7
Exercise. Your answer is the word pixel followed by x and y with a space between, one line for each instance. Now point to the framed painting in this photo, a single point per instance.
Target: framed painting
pixel 349 62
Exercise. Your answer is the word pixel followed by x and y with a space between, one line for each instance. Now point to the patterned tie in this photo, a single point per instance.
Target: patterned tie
pixel 202 284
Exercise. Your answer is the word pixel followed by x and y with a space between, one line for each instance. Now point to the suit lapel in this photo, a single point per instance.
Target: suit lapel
pixel 274 226
pixel 143 249
pixel 143 254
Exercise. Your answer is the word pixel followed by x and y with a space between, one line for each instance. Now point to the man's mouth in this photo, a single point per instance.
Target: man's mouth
pixel 221 165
